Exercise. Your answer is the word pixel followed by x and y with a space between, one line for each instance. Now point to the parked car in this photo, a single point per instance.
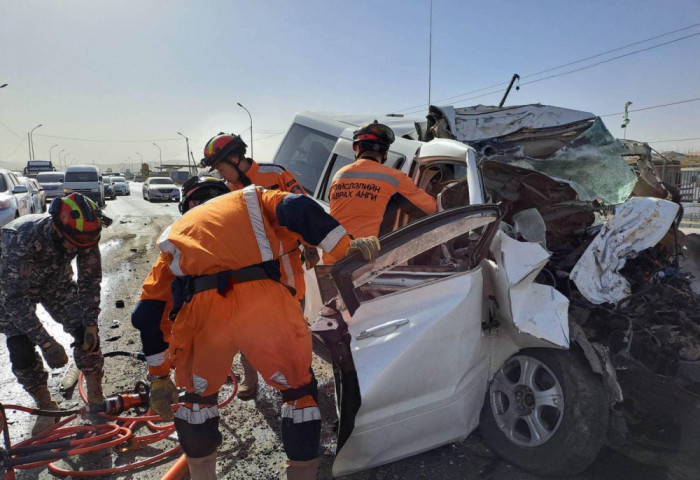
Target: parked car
pixel 472 325
pixel 52 183
pixel 109 188
pixel 160 188
pixel 38 196
pixel 121 186
pixel 85 179
pixel 15 197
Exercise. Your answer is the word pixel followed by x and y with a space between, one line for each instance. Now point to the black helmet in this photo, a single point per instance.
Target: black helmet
pixel 373 136
pixel 220 146
pixel 201 189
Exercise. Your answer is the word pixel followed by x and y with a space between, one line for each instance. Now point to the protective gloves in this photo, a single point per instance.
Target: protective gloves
pixel 311 257
pixel 54 354
pixel 368 246
pixel 91 340
pixel 163 394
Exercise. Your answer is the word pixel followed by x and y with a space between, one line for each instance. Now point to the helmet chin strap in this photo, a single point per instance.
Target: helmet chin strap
pixel 242 177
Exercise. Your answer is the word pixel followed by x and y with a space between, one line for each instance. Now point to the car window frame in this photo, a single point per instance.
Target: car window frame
pixel 350 273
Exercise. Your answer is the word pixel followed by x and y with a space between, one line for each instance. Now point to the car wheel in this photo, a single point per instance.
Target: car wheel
pixel 546 411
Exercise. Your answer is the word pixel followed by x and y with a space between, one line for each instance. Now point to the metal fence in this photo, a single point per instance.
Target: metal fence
pixel 688 184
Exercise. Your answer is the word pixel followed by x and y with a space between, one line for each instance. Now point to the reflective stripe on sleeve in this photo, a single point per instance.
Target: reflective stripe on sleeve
pixel 197 416
pixel 301 415
pixel 332 239
pixel 256 219
pixel 157 359
pixel 169 247
pixel 368 176
pixel 200 384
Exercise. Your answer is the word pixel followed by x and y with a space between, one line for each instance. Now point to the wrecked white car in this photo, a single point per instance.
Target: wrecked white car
pixel 530 306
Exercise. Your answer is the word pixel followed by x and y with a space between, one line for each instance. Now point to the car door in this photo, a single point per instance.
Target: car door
pixel 414 316
pixel 23 195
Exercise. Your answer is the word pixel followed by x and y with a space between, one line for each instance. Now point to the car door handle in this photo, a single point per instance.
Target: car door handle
pixel 383 329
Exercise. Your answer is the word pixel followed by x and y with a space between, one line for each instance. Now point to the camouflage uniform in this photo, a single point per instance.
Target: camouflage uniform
pixel 35 268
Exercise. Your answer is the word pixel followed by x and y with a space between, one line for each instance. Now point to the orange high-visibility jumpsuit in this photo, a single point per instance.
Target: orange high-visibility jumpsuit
pixel 365 197
pixel 276 177
pixel 259 317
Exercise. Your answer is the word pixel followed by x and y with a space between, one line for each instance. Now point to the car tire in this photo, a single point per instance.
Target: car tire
pixel 567 438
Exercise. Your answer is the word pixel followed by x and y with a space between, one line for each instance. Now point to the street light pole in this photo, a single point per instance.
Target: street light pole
pixel 251 129
pixel 59 159
pixel 50 157
pixel 160 157
pixel 187 154
pixel 31 140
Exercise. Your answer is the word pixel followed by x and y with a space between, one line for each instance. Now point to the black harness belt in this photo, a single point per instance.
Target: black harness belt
pixel 183 288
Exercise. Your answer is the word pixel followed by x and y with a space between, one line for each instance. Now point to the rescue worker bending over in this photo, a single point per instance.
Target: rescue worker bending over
pixel 365 195
pixel 35 267
pixel 227 296
pixel 225 153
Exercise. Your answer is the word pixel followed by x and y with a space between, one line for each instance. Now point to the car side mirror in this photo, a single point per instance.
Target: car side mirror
pixel 20 189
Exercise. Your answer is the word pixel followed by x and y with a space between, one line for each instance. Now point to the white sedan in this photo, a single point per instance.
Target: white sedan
pixel 160 188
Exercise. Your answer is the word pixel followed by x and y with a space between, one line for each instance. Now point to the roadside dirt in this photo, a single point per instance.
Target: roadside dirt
pixel 252 447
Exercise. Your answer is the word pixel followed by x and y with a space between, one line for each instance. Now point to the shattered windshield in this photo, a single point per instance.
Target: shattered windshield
pixel 593 166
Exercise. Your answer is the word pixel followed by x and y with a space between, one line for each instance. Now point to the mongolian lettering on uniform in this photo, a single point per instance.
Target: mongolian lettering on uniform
pixel 367 191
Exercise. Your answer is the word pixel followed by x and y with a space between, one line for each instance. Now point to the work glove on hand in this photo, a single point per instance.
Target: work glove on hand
pixel 91 340
pixel 311 257
pixel 163 394
pixel 54 354
pixel 368 246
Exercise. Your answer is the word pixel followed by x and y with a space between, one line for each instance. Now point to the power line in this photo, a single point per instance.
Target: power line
pixel 676 140
pixel 109 141
pixel 561 66
pixel 16 148
pixel 577 69
pixel 652 107
pixel 611 59
pixel 11 131
pixel 270 136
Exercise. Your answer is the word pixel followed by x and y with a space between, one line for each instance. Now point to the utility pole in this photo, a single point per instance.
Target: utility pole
pixel 160 157
pixel 50 157
pixel 193 169
pixel 251 129
pixel 625 120
pixel 430 55
pixel 31 141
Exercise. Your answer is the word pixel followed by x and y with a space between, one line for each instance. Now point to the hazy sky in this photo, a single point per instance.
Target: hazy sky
pixel 124 74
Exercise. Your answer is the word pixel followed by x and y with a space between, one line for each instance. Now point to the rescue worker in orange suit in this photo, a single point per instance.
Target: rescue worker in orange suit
pixel 365 195
pixel 225 153
pixel 227 296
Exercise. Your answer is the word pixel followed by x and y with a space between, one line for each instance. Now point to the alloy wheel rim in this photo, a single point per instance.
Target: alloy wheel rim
pixel 527 401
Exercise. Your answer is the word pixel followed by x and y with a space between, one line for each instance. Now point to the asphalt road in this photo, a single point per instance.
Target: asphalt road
pixel 252 447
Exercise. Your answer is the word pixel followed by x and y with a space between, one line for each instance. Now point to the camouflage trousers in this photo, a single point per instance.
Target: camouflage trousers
pixel 27 365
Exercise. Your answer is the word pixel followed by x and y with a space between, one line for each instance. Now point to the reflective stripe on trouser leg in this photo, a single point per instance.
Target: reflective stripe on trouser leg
pixel 198 430
pixel 301 429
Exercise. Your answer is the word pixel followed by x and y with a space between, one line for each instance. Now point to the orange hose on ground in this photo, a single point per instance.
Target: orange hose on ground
pixel 178 470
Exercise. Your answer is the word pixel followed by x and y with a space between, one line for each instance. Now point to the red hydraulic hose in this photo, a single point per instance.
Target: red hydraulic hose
pixel 60 441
